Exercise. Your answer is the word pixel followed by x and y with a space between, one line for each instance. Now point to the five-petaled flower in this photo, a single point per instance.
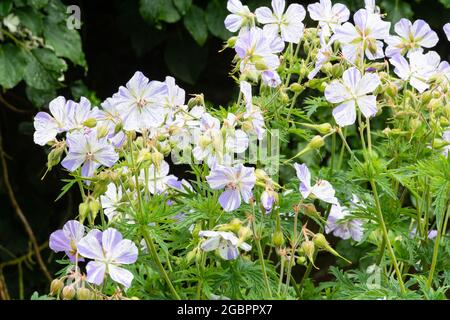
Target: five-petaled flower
pixel 328 15
pixel 67 239
pixel 108 251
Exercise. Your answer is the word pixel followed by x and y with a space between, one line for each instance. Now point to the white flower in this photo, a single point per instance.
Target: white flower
pixel 321 190
pixel 345 229
pixel 288 23
pixel 239 17
pixel 329 16
pixel 226 243
pixel 111 200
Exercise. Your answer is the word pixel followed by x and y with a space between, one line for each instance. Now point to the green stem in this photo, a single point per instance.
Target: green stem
pixel 261 256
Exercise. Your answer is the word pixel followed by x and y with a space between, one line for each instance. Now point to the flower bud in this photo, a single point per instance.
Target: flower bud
pixel 55 286
pixel 94 207
pixel 244 233
pixel 157 158
pixel 296 87
pixel 84 294
pixel 261 175
pixel 102 132
pixel 321 242
pixel 231 42
pixel 278 238
pixel 284 97
pixel 197 100
pixel 316 142
pixel 235 225
pixel 301 261
pixel 337 70
pixel 54 157
pixel 144 155
pixel 118 127
pixel 68 293
pixel 247 126
pixel 90 123
pixel 392 90
pixel 191 255
pixel 309 249
pixel 83 211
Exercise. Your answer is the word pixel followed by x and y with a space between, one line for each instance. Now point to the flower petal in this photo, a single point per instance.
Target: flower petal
pixel 345 113
pixel 368 105
pixel 95 272
pixel 230 200
pixel 120 275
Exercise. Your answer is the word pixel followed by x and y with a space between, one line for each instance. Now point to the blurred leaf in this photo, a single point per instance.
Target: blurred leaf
pixel 396 10
pixel 38 4
pixel 188 65
pixel 79 89
pixel 446 3
pixel 12 65
pixel 154 11
pixel 194 21
pixel 215 16
pixel 42 69
pixel 5 7
pixel 56 11
pixel 66 42
pixel 31 19
pixel 40 98
pixel 182 5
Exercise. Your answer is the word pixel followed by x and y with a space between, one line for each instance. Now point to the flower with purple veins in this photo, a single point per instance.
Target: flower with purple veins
pixel 47 126
pixel 67 239
pixel 88 151
pixel 418 71
pixel 111 200
pixel 322 189
pixel 140 103
pixel 79 112
pixel 268 200
pixel 328 15
pixel 343 228
pixel 226 243
pixel 323 56
pixel 353 90
pixel 175 96
pixel 238 182
pixel 411 37
pixel 288 23
pixel 363 37
pixel 254 120
pixel 240 16
pixel 108 250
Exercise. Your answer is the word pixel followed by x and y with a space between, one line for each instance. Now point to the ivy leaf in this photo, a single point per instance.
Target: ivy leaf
pixel 190 64
pixel 194 21
pixel 12 65
pixel 31 19
pixel 5 7
pixel 43 69
pixel 154 11
pixel 396 10
pixel 215 17
pixel 65 42
pixel 183 6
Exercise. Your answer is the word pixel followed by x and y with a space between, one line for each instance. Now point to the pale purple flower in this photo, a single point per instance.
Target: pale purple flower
pixel 157 177
pixel 47 126
pixel 353 90
pixel 238 182
pixel 271 78
pixel 67 239
pixel 323 56
pixel 322 189
pixel 79 112
pixel 431 234
pixel 419 70
pixel 447 30
pixel 411 37
pixel 111 118
pixel 370 5
pixel 363 37
pixel 288 23
pixel 253 117
pixel 345 229
pixel 226 243
pixel 240 15
pixel 109 251
pixel 140 103
pixel 256 50
pixel 268 200
pixel 87 150
pixel 175 96
pixel 328 15
pixel 111 200
pixel 179 185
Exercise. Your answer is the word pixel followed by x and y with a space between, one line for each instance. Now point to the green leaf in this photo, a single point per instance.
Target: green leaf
pixel 38 4
pixel 31 19
pixel 215 16
pixel 445 3
pixel 39 98
pixel 182 5
pixel 190 64
pixel 65 42
pixel 5 7
pixel 154 11
pixel 194 21
pixel 56 11
pixel 43 69
pixel 12 65
pixel 396 10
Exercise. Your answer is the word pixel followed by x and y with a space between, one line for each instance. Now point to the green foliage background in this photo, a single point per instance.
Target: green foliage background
pixel 182 38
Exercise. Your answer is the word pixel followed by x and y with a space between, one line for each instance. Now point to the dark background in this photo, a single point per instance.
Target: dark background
pixel 117 41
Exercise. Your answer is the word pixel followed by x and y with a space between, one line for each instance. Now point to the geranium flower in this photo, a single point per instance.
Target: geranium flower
pixel 321 190
pixel 157 177
pixel 110 118
pixel 111 200
pixel 175 96
pixel 344 229
pixel 109 251
pixel 226 243
pixel 238 182
pixel 353 90
pixel 447 30
pixel 419 70
pixel 47 126
pixel 411 37
pixel 67 239
pixel 329 16
pixel 268 200
pixel 370 5
pixel 79 112
pixel 87 150
pixel 363 37
pixel 253 118
pixel 288 23
pixel 140 103
pixel 240 15
pixel 323 56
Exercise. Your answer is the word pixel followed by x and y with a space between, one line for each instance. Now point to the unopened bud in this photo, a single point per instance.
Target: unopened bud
pixel 83 211
pixel 321 242
pixel 244 233
pixel 90 123
pixel 278 238
pixel 197 100
pixel 68 293
pixel 102 132
pixel 235 225
pixel 84 294
pixel 309 249
pixel 231 42
pixel 94 207
pixel 54 157
pixel 261 175
pixel 296 87
pixel 157 158
pixel 316 142
pixel 55 286
pixel 392 90
pixel 118 127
